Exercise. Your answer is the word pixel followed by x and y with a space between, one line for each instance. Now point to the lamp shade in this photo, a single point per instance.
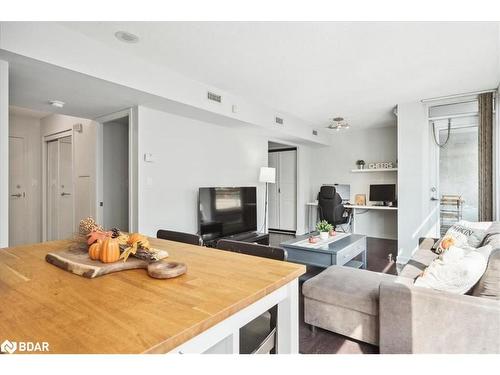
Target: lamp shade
pixel 267 174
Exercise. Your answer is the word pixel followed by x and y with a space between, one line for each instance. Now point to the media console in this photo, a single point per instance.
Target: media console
pixel 252 237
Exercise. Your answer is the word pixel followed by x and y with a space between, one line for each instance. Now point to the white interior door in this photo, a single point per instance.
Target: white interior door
pixel 60 204
pixel 273 205
pixel 18 208
pixel 287 190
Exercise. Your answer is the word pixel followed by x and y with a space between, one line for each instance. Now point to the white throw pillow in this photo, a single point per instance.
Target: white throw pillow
pixel 456 271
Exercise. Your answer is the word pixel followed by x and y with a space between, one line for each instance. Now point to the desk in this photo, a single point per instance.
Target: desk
pixel 129 312
pixel 360 209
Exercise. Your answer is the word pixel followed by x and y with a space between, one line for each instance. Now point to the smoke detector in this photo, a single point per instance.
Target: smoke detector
pixel 338 123
pixel 125 36
pixel 56 103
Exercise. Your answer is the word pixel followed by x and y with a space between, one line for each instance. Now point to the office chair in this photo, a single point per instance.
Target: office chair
pixel 330 207
pixel 192 239
pixel 258 336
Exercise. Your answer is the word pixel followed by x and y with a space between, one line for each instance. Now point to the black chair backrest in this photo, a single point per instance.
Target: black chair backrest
pixel 248 248
pixel 171 235
pixel 330 205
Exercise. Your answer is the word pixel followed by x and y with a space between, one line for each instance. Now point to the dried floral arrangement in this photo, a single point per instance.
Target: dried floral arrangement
pixel 113 245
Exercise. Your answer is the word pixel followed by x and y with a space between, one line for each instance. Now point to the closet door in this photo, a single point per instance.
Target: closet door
pixel 273 204
pixel 287 190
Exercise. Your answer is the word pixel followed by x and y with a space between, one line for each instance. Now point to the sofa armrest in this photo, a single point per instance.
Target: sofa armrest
pixel 421 320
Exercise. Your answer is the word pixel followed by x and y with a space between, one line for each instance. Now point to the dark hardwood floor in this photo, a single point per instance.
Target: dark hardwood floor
pixel 325 342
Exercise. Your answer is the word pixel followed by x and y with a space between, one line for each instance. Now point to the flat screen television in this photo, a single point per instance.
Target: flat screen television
pixel 383 193
pixel 224 211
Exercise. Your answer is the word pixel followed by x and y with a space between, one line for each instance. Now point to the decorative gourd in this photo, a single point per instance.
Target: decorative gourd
pixel 136 237
pixel 110 251
pixel 97 235
pixel 95 250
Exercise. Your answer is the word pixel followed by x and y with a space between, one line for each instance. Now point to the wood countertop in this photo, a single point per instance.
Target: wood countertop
pixel 128 311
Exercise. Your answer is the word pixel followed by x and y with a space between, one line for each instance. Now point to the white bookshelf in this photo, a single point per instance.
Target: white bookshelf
pixel 374 170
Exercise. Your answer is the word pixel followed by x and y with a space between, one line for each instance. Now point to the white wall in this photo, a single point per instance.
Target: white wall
pixel 189 154
pixel 28 127
pixel 333 165
pixel 418 216
pixel 4 153
pixel 85 162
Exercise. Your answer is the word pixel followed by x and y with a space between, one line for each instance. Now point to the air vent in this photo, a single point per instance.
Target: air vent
pixel 315 132
pixel 279 120
pixel 214 97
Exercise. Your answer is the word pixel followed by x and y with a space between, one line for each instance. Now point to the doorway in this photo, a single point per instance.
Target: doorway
pixel 283 194
pixel 114 182
pixel 60 194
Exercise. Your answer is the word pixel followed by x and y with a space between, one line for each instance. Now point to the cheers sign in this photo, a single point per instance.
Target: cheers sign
pixel 381 165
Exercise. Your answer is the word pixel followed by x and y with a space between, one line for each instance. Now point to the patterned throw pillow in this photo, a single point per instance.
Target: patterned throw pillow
pixel 461 235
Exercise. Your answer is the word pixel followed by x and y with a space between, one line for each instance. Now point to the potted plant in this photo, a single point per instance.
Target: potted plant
pixel 360 164
pixel 324 228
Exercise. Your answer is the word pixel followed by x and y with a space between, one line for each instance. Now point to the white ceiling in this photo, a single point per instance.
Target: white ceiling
pixel 316 71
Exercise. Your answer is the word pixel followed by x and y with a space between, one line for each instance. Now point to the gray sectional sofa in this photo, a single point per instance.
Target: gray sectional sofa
pixel 390 312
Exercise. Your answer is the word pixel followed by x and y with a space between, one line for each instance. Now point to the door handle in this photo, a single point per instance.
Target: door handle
pixel 18 195
pixel 63 194
pixel 434 199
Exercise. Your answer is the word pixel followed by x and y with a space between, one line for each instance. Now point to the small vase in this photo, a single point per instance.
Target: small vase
pixel 361 166
pixel 332 233
pixel 323 235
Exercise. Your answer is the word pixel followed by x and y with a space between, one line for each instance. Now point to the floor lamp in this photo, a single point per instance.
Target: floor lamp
pixel 267 175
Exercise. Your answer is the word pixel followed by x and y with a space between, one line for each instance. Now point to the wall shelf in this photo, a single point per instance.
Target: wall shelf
pixel 374 170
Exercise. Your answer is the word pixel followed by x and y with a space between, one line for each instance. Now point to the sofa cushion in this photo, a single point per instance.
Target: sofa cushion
pixel 493 236
pixel 351 288
pixel 418 263
pixel 489 284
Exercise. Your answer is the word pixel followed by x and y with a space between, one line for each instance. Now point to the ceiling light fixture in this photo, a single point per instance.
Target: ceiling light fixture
pixel 125 36
pixel 338 123
pixel 57 103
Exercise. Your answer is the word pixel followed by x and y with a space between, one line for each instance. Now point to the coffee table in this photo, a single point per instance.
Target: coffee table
pixel 341 251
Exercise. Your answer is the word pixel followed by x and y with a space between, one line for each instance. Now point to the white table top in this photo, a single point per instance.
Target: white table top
pixel 389 208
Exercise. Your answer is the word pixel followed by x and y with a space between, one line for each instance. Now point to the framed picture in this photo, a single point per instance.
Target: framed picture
pixel 360 199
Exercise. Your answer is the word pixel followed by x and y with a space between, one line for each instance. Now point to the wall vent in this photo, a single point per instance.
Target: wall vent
pixel 279 120
pixel 315 132
pixel 214 97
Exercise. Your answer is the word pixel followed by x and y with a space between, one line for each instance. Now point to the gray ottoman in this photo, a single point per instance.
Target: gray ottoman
pixel 345 300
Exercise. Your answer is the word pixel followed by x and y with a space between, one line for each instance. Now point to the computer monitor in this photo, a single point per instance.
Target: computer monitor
pixel 383 193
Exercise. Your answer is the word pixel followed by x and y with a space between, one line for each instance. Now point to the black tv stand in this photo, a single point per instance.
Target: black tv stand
pixel 252 237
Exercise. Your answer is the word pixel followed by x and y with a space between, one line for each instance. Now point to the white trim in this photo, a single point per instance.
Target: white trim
pixel 285 297
pixel 457 95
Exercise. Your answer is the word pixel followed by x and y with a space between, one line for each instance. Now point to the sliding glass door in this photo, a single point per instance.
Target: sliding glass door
pixel 455 130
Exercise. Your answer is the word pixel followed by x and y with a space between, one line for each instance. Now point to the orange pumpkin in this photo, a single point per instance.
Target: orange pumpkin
pixel 110 251
pixel 95 250
pixel 136 237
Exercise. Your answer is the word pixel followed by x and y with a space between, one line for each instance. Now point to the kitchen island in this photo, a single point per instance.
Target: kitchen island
pixel 130 312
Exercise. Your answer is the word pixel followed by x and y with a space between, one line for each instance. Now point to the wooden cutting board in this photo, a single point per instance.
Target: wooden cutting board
pixel 78 262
